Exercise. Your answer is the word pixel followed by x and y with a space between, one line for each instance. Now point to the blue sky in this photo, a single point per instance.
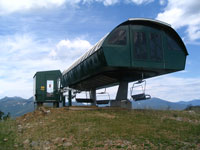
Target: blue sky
pixel 40 35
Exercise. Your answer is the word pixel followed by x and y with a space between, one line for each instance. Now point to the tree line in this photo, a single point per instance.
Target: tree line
pixel 4 116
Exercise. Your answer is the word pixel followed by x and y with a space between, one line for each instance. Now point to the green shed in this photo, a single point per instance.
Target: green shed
pixel 46 87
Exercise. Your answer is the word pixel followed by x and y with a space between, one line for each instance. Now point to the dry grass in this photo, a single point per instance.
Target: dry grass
pixel 108 129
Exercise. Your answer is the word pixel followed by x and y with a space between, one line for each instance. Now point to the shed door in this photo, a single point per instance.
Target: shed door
pixel 146 47
pixel 40 88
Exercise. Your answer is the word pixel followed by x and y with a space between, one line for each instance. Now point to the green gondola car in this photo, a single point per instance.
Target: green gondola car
pixel 136 49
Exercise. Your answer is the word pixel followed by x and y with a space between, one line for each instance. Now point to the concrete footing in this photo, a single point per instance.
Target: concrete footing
pixel 123 104
pixel 55 104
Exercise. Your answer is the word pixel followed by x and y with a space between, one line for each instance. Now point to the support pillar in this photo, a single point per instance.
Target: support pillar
pixel 55 104
pixel 70 98
pixel 121 99
pixel 93 96
pixel 122 91
pixel 63 100
pixel 39 104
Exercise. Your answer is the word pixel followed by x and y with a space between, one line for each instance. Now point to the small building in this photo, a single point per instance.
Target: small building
pixel 46 87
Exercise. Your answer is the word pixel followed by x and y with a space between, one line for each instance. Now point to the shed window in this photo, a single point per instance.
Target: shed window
pixel 156 51
pixel 172 44
pixel 140 45
pixel 118 37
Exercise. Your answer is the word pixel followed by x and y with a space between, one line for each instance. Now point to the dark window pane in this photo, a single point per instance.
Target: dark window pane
pixel 172 44
pixel 156 51
pixel 140 45
pixel 118 37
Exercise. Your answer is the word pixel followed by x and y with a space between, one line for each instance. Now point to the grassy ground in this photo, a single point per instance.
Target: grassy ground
pixel 8 134
pixel 103 129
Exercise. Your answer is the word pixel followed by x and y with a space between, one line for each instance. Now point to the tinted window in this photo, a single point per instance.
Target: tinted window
pixel 118 37
pixel 140 45
pixel 172 44
pixel 155 43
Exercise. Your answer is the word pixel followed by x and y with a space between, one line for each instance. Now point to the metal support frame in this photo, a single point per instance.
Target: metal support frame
pixel 140 96
pixel 63 100
pixel 70 97
pixel 122 91
pixel 93 97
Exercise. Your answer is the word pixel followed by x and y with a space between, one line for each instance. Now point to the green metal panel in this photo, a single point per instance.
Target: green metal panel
pixel 86 69
pixel 116 54
pixel 147 61
pixel 46 86
pixel 174 58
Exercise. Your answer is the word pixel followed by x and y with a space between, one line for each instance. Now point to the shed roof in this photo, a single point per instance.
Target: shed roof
pixel 49 71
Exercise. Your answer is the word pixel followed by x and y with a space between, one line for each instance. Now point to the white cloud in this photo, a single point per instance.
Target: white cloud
pixel 112 2
pixel 173 88
pixel 70 49
pixel 19 55
pixel 11 6
pixel 108 2
pixel 162 2
pixel 183 13
pixel 139 2
pixel 105 2
pixel 23 55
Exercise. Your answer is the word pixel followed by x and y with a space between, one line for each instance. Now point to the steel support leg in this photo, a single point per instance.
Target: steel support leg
pixel 63 100
pixel 93 96
pixel 122 91
pixel 69 98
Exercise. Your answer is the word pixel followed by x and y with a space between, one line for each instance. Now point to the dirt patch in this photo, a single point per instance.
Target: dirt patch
pixel 83 108
pixel 105 115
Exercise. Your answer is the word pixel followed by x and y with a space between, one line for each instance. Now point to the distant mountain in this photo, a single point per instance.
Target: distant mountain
pixel 17 106
pixel 193 102
pixel 156 103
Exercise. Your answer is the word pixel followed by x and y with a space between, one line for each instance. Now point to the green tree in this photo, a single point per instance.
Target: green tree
pixel 1 115
pixel 5 117
pixel 189 107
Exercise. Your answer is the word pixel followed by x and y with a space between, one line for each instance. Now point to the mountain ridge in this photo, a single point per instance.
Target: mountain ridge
pixel 160 104
pixel 19 106
pixel 16 106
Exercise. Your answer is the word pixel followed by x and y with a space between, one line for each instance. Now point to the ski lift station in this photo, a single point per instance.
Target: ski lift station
pixel 135 50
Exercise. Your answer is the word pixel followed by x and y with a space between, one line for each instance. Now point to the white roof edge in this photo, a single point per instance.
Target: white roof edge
pixel 80 59
pixel 147 19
